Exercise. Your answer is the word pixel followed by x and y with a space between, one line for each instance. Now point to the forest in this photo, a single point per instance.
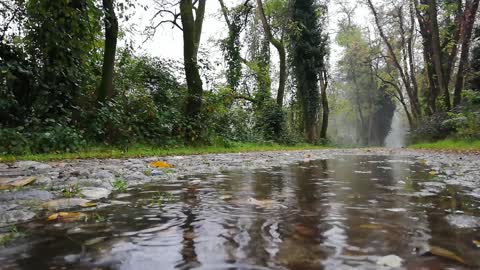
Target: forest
pixel 239 134
pixel 287 72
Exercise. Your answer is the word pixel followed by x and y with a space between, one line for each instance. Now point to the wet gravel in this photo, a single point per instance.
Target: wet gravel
pixel 94 179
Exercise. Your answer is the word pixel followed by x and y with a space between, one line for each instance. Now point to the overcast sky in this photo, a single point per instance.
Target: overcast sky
pixel 168 42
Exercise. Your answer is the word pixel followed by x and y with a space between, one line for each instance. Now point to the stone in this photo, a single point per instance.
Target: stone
pixel 103 174
pixel 14 216
pixel 390 261
pixel 95 193
pixel 34 165
pixel 463 221
pixel 61 204
pixel 29 194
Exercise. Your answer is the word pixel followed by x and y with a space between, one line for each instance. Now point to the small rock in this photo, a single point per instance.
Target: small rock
pixel 463 221
pixel 390 261
pixel 95 193
pixel 156 173
pixel 34 165
pixel 14 216
pixel 61 204
pixel 103 174
pixel 30 194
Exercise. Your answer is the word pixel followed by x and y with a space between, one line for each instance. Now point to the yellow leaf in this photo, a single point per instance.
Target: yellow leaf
pixel 432 172
pixel 161 164
pixel 5 184
pixel 476 243
pixel 88 204
pixel 371 226
pixel 447 254
pixel 66 216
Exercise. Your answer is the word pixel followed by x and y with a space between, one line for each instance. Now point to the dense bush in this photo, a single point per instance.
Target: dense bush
pixel 12 141
pixel 56 138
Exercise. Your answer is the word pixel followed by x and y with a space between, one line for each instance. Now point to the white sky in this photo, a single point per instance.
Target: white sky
pixel 168 41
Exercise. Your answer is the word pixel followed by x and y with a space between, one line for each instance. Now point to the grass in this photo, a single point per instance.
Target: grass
pixel 138 151
pixel 120 185
pixel 450 145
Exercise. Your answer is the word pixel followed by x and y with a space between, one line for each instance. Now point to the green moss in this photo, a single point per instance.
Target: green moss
pixel 449 144
pixel 138 151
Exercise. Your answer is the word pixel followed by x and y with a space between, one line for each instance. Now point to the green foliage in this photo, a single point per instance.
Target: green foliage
pixel 57 138
pixel 308 53
pixel 435 127
pixel 12 141
pixel 231 45
pixel 462 124
pixel 270 121
pixel 12 234
pixel 71 191
pixel 61 36
pixel 161 197
pixel 120 185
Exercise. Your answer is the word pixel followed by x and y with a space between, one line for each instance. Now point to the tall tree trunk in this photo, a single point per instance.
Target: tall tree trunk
pixel 106 88
pixel 437 53
pixel 404 76
pixel 325 107
pixel 281 53
pixel 466 36
pixel 192 30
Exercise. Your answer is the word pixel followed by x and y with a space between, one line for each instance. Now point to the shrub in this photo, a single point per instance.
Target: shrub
pixel 13 142
pixel 57 138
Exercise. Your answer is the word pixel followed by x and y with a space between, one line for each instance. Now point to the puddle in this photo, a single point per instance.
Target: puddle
pixel 343 213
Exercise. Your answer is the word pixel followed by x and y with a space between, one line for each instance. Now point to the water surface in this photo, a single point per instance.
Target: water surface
pixel 343 213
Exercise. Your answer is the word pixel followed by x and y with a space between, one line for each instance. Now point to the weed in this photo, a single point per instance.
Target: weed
pixel 120 185
pixel 73 190
pixel 12 234
pixel 160 197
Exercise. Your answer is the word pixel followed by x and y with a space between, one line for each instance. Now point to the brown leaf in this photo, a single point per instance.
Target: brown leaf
pixel 372 226
pixel 16 183
pixel 66 216
pixel 161 164
pixel 444 253
pixel 88 204
pixel 476 243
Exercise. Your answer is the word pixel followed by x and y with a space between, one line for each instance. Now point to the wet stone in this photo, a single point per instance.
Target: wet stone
pixel 103 174
pixel 95 193
pixel 14 216
pixel 29 194
pixel 463 221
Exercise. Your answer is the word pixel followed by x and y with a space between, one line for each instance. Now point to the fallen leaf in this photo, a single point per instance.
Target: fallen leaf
pixel 476 243
pixel 16 183
pixel 444 253
pixel 372 226
pixel 66 216
pixel 88 204
pixel 161 164
pixel 432 172
pixel 94 241
pixel 226 197
pixel 260 203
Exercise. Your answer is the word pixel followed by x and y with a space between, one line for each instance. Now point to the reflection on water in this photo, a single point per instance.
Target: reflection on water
pixel 326 214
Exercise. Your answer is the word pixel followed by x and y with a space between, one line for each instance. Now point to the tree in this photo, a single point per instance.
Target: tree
pixel 402 60
pixel 60 38
pixel 308 59
pixel 441 44
pixel 191 14
pixel 279 45
pixel 106 88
